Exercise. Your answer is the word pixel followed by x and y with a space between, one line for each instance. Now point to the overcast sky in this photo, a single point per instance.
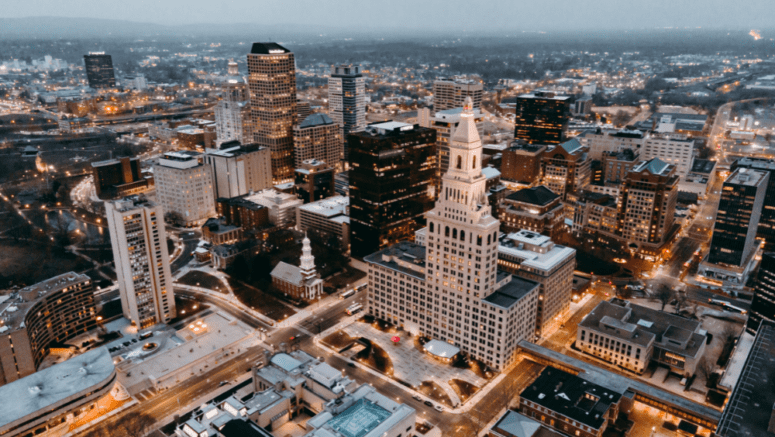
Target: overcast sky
pixel 468 15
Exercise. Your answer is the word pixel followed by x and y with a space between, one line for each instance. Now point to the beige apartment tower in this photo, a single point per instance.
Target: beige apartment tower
pixel 272 86
pixel 451 93
pixel 142 261
pixel 318 137
pixel 239 169
pixel 184 187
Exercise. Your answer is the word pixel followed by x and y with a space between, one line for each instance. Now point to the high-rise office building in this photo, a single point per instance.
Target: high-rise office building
pixel 392 183
pixel 734 231
pixel 647 206
pixel 542 118
pixel 451 93
pixel 463 302
pixel 318 137
pixel 239 169
pixel 347 98
pixel 232 114
pixel 766 228
pixel 120 177
pixel 272 86
pixel 142 262
pixel 99 70
pixel 184 186
pixel 763 303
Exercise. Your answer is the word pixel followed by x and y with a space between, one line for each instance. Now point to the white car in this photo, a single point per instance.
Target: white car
pixel 438 408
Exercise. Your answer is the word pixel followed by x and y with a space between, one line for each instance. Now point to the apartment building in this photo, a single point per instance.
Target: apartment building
pixel 566 167
pixel 184 187
pixel 328 216
pixel 34 317
pixel 537 209
pixel 318 137
pixel 142 262
pixel 676 150
pixel 450 93
pixel 522 163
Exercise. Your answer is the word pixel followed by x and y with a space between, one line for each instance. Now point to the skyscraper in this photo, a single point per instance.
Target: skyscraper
pixel 392 183
pixel 184 186
pixel 142 262
pixel 272 85
pixel 734 232
pixel 766 228
pixel 237 170
pixel 461 300
pixel 99 70
pixel 347 98
pixel 444 123
pixel 451 93
pixel 763 304
pixel 542 118
pixel 232 114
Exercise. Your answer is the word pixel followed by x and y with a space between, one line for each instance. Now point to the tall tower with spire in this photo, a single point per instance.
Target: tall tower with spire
pixel 463 259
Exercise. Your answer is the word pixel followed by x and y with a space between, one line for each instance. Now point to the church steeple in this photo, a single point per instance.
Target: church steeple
pixel 307 265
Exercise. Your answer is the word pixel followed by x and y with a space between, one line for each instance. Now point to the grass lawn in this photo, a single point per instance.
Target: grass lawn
pixel 375 357
pixel 464 389
pixel 195 278
pixel 264 303
pixel 339 340
pixel 433 391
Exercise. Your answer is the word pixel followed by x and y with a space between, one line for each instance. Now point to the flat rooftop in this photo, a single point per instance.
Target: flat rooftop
pixel 400 257
pixel 44 389
pixel 330 207
pixel 535 250
pixel 750 407
pixel 746 177
pixel 511 292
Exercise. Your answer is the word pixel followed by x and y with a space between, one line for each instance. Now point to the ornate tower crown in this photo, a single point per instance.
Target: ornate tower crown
pixel 468 104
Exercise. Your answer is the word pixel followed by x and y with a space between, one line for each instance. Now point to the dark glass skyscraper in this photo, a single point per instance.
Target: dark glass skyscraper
pixel 392 183
pixel 734 233
pixel 766 228
pixel 763 304
pixel 99 70
pixel 272 84
pixel 347 99
pixel 542 118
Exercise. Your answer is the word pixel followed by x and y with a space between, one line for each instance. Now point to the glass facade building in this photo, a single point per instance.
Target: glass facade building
pixel 99 70
pixel 542 118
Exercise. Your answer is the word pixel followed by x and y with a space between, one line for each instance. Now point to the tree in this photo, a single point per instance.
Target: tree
pixel 620 118
pixel 173 218
pixel 680 302
pixel 136 424
pixel 663 295
pixel 705 369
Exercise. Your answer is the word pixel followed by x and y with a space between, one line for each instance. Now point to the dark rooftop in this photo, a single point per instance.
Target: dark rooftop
pixel 405 252
pixel 318 119
pixel 242 428
pixel 512 292
pixel 750 408
pixel 267 48
pixel 571 396
pixel 704 166
pixel 539 195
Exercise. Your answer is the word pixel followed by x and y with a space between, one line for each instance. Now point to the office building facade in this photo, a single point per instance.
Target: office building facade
pixel 314 181
pixel 766 228
pixel 121 177
pixel 522 163
pixel 319 138
pixel 232 113
pixel 536 257
pixel 566 168
pixel 184 187
pixel 542 118
pixel 142 261
pixel 238 169
pixel 392 183
pixel 99 70
pixel 451 93
pixel 763 303
pixel 272 87
pixel 536 209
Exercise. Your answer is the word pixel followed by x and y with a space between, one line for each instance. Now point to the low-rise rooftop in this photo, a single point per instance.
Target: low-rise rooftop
pixel 512 292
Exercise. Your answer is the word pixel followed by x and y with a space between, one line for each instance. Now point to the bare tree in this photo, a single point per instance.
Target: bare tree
pixel 663 295
pixel 137 424
pixel 705 369
pixel 680 302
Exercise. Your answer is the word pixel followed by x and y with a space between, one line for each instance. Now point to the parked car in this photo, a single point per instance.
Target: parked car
pixel 428 403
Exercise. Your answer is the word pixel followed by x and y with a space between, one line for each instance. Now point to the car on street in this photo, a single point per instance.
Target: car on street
pixel 428 403
pixel 439 408
pixel 417 398
pixel 351 364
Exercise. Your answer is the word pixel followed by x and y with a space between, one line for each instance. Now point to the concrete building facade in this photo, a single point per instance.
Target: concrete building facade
pixel 184 187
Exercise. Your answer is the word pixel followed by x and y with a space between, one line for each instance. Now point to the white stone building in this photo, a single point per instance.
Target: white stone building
pixel 184 187
pixel 282 206
pixel 239 169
